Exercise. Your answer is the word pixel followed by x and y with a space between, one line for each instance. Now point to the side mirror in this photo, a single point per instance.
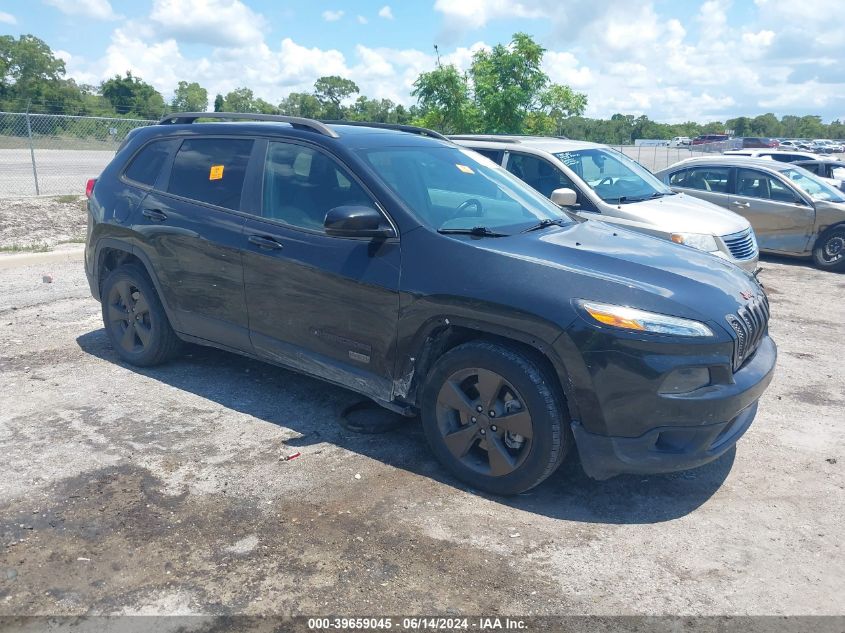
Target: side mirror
pixel 564 197
pixel 357 221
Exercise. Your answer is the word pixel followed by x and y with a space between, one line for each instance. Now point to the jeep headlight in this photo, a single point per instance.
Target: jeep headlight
pixel 701 241
pixel 627 318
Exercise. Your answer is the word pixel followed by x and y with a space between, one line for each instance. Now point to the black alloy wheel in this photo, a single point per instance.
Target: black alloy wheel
pixel 484 421
pixel 134 318
pixel 129 316
pixel 494 415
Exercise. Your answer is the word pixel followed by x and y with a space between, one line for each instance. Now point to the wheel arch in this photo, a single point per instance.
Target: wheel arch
pixel 111 253
pixel 444 333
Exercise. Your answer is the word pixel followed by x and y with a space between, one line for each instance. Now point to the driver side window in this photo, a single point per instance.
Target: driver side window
pixel 301 185
pixel 538 173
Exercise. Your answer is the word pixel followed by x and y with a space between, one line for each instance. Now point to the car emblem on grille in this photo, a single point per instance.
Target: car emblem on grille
pixel 746 294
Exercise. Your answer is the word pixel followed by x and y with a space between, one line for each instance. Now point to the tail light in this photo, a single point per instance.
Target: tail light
pixel 89 187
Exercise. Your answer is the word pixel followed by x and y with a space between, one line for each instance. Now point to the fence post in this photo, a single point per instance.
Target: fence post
pixel 32 151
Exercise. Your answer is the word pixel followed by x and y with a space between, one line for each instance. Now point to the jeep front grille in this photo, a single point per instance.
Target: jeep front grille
pixel 750 324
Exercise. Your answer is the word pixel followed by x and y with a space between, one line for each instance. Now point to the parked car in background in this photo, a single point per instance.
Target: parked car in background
pixel 389 261
pixel 758 141
pixel 795 144
pixel 792 211
pixel 780 155
pixel 827 146
pixel 831 171
pixel 680 141
pixel 710 138
pixel 597 182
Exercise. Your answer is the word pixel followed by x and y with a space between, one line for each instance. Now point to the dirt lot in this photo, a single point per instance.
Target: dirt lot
pixel 41 222
pixel 128 491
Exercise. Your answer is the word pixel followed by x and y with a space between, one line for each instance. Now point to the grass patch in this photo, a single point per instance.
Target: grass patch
pixel 75 239
pixel 66 199
pixel 25 248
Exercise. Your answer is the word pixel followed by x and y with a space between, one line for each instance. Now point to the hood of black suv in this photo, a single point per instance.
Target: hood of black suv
pixel 593 260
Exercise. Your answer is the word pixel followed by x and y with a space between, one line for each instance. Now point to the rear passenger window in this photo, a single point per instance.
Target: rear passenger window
pixel 147 164
pixel 713 179
pixel 301 185
pixel 211 170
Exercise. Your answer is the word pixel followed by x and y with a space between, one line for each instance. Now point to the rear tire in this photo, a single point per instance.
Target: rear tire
pixel 134 318
pixel 517 439
pixel 829 252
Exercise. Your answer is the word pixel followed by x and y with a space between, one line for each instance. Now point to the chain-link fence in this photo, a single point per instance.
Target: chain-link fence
pixel 54 154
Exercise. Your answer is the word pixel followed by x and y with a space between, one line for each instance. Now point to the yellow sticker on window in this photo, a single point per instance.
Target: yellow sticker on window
pixel 464 168
pixel 216 172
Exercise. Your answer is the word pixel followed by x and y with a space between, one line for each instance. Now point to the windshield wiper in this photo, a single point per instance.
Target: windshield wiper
pixel 478 231
pixel 545 222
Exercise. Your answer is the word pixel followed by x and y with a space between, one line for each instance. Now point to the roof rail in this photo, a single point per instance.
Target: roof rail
pixel 484 137
pixel 300 123
pixel 503 138
pixel 411 129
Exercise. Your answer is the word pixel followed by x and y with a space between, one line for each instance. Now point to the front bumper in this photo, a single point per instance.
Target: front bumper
pixel 671 447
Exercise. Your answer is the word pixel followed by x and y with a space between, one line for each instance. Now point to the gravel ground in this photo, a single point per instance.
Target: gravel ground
pixel 42 222
pixel 165 491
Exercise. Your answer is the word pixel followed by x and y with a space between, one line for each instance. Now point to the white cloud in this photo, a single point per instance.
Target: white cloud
pixel 386 12
pixel 476 13
pixel 332 16
pixel 362 19
pixel 97 9
pixel 761 38
pixel 7 18
pixel 214 22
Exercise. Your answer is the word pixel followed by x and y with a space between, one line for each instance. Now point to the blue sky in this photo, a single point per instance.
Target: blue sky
pixel 671 60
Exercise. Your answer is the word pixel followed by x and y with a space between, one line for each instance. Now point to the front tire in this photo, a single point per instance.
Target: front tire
pixel 829 252
pixel 494 417
pixel 134 318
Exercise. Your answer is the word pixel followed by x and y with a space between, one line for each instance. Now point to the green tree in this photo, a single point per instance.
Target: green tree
pixel 444 100
pixel 219 103
pixel 189 97
pixel 559 103
pixel 301 104
pixel 508 83
pixel 130 95
pixel 766 125
pixel 240 100
pixel 331 91
pixel 29 71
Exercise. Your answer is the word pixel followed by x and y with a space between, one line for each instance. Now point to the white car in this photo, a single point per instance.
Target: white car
pixel 780 155
pixel 680 141
pixel 599 183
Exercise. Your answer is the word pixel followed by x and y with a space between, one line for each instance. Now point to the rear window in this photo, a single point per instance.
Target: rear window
pixel 211 170
pixel 146 165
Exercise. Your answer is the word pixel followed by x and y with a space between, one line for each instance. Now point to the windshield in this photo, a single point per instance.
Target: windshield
pixel 613 176
pixel 810 184
pixel 452 188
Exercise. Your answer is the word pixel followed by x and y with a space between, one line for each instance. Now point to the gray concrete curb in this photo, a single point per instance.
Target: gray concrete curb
pixel 65 253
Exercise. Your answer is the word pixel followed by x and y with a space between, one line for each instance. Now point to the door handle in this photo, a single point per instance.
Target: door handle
pixel 265 242
pixel 737 203
pixel 155 215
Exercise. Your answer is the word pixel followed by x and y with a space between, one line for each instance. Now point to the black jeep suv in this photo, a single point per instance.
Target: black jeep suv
pixel 401 266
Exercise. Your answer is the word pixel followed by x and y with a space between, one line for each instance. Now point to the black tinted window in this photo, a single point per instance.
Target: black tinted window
pixel 493 154
pixel 301 185
pixel 146 165
pixel 538 173
pixel 211 170
pixel 713 179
